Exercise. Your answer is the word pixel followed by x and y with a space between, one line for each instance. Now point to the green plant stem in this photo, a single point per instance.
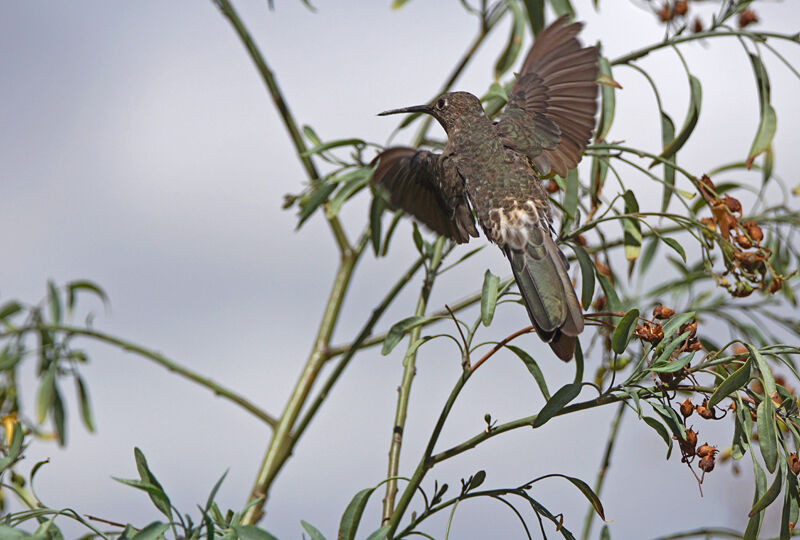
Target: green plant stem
pixel 644 51
pixel 289 122
pixel 404 390
pixel 305 420
pixel 426 462
pixel 159 359
pixel 527 421
pixel 281 442
pixel 705 532
pixel 601 473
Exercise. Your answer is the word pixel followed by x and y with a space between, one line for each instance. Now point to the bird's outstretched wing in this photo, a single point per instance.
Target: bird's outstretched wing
pixel 418 182
pixel 550 113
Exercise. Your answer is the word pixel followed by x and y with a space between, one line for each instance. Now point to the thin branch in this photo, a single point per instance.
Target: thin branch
pixel 161 360
pixel 499 346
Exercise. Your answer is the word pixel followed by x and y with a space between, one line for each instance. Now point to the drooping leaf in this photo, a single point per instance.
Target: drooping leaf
pixel 8 309
pixel 560 399
pixel 535 10
pixel 321 147
pixel 489 294
pixel 570 200
pixel 347 190
pixel 309 203
pixel 631 227
pixel 84 404
pixel 611 294
pixel 754 524
pixel 399 329
pixel 766 372
pixel 348 526
pixel 624 331
pixel 770 494
pixel 45 394
pixel 533 367
pixel 375 213
pixel 158 496
pixel 514 44
pixel 667 136
pixel 689 123
pixel 768 121
pixel 659 428
pixel 380 534
pixel 607 102
pixel 587 274
pixel 736 380
pixel 74 287
pixel 767 436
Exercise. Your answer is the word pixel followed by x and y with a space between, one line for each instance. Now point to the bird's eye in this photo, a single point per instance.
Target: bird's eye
pixel 441 103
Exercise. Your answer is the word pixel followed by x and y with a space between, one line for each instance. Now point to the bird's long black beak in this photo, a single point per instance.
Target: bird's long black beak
pixel 414 109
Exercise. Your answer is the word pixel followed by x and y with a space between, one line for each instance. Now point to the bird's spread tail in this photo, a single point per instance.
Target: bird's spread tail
pixel 541 275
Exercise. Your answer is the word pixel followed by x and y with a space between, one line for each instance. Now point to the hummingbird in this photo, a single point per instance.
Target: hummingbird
pixel 494 171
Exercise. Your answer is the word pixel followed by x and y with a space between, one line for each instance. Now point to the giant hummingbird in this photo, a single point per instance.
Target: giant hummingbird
pixel 494 170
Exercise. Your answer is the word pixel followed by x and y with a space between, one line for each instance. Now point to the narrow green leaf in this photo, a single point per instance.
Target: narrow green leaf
pixel 375 213
pixel 587 275
pixel 670 417
pixel 664 364
pixel 598 174
pixel 741 435
pixel 766 373
pixel 46 393
pixel 477 479
pixel 624 331
pixel 333 144
pixel 312 531
pixel 767 436
pixel 380 534
pixel 514 44
pixel 765 134
pixel 667 136
pixel 631 227
pixel 607 102
pixel 754 524
pixel 611 295
pixel 736 380
pixel 676 321
pixel 84 403
pixel 560 399
pixel 9 309
pixel 771 494
pixel 158 496
pixel 352 514
pixel 74 287
pixel 533 368
pixel 59 417
pixel 605 533
pixel 790 506
pixel 535 10
pixel 399 329
pixel 659 428
pixel 312 201
pixel 671 242
pixel 349 189
pixel 689 123
pixel 251 532
pixel 54 302
pixel 767 165
pixel 587 491
pixel 489 293
pixel 419 243
pixel 648 253
pixel 311 135
pixel 768 121
pixel 14 449
pixel 154 531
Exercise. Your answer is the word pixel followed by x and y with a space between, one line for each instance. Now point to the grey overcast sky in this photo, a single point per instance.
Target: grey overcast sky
pixel 138 149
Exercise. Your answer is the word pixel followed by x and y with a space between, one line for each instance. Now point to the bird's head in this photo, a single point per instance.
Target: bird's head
pixel 449 109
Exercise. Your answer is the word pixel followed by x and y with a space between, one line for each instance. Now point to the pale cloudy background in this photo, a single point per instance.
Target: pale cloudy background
pixel 139 149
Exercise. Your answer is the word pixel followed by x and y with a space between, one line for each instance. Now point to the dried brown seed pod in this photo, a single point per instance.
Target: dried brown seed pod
pixel 743 242
pixel 665 13
pixel 688 445
pixel 775 285
pixel 552 187
pixel 689 327
pixel 687 407
pixel 707 464
pixel 747 17
pixel 706 450
pixel 661 312
pixel 732 203
pixel 681 7
pixel 705 412
pixel 698 25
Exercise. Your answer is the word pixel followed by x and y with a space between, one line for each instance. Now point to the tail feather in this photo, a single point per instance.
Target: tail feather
pixel 541 275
